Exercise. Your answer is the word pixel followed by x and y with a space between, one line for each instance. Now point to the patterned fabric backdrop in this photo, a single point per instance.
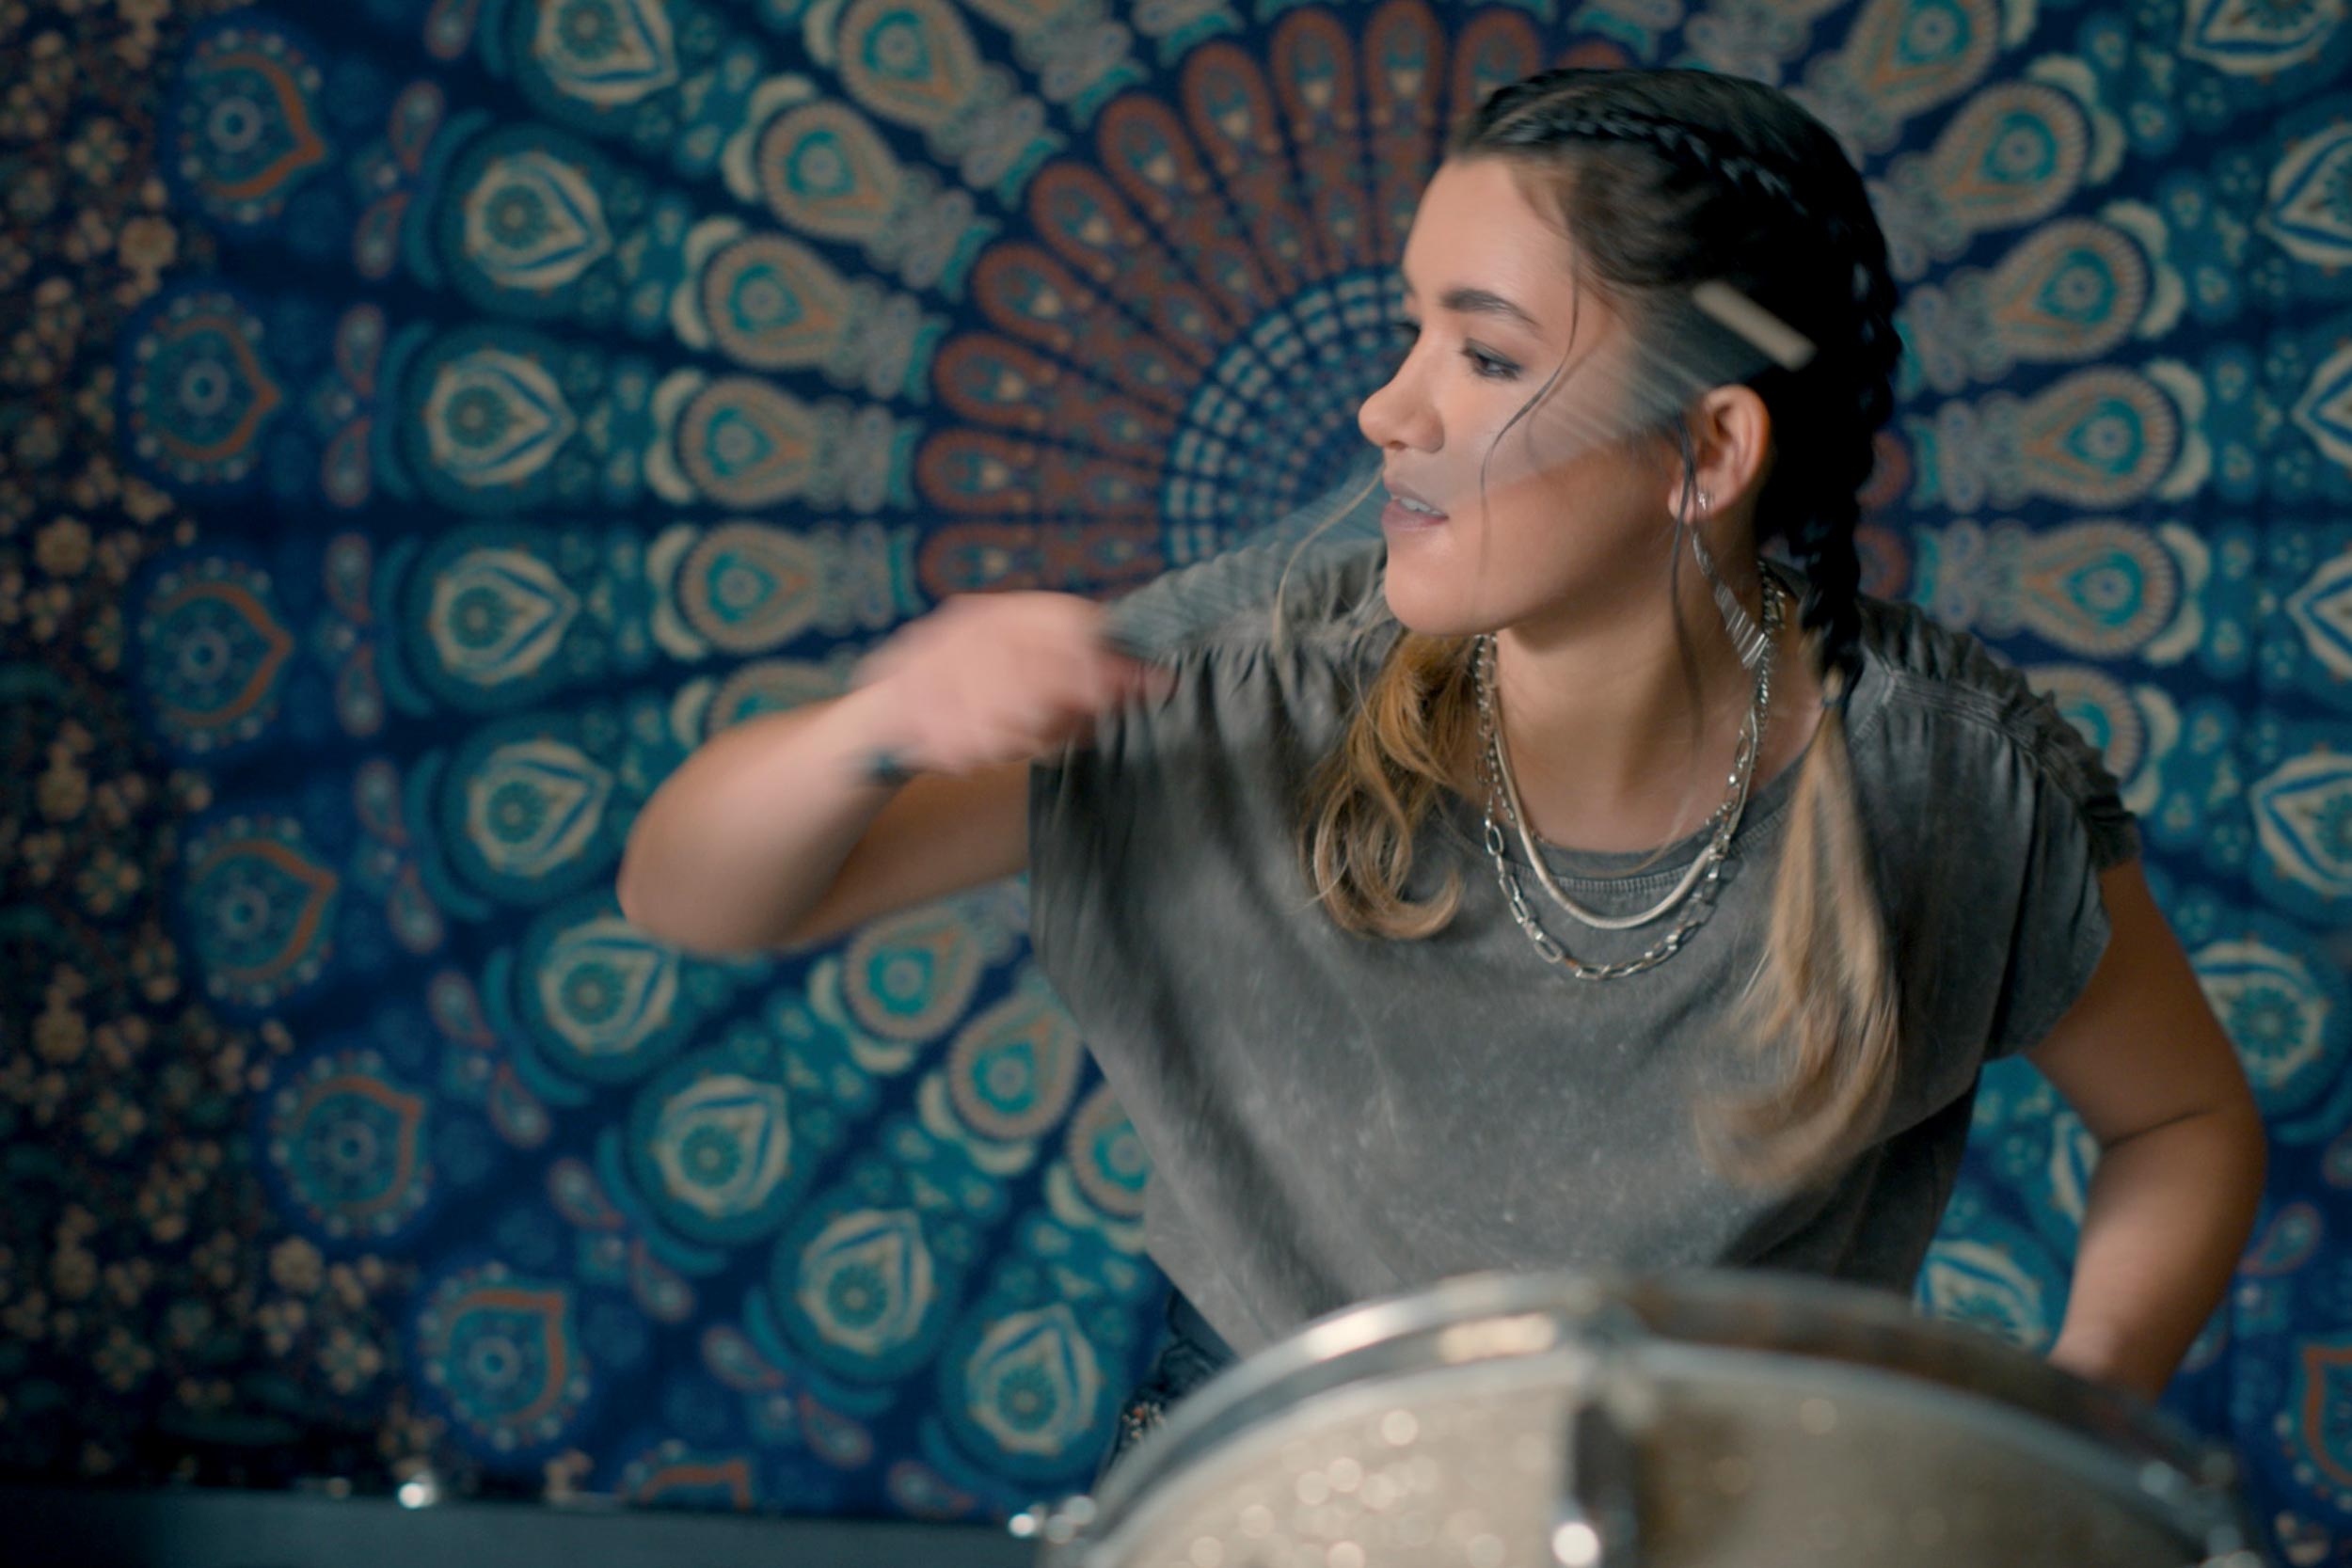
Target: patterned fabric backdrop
pixel 427 419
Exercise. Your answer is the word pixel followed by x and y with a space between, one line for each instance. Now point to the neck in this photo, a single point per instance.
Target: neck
pixel 1615 746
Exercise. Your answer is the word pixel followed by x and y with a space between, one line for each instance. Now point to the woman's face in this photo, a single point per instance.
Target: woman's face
pixel 1569 518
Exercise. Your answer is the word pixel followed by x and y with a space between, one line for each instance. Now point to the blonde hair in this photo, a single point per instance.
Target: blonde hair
pixel 1824 992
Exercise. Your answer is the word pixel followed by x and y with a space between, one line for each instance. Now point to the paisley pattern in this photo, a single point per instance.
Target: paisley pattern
pixel 502 1354
pixel 349 1144
pixel 430 420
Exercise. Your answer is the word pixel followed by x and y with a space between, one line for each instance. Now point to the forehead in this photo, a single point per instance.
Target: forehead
pixel 1479 225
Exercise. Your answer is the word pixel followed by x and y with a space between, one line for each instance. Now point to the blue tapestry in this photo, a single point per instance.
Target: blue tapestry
pixel 426 421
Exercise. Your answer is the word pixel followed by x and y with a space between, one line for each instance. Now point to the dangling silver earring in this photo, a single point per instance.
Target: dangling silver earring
pixel 1746 635
pixel 1704 504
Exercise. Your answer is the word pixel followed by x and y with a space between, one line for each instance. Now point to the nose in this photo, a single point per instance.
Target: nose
pixel 1398 415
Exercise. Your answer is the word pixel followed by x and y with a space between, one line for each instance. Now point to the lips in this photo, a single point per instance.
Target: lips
pixel 1416 502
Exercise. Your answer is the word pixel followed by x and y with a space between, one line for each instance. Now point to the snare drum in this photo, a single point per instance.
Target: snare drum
pixel 1715 1420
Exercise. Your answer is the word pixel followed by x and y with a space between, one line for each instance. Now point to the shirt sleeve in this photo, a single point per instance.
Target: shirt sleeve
pixel 2077 828
pixel 1207 767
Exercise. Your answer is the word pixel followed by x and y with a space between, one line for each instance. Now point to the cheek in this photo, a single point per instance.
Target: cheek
pixel 1590 528
pixel 1493 563
pixel 1561 434
pixel 1558 515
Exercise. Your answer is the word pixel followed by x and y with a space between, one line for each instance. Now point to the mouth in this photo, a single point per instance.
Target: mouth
pixel 1414 508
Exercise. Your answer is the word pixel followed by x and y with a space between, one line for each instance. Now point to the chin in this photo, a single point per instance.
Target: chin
pixel 1430 608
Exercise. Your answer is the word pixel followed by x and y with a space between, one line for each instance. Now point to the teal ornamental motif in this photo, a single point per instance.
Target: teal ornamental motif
pixel 501 1351
pixel 550 385
pixel 350 1144
pixel 714 1149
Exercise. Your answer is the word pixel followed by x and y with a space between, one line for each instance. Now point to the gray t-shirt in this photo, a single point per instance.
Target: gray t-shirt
pixel 1333 1118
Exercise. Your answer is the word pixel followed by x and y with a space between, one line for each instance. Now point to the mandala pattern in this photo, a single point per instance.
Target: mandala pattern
pixel 350 1146
pixel 435 418
pixel 504 1353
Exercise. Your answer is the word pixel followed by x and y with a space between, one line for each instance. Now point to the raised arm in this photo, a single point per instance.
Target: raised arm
pixel 778 833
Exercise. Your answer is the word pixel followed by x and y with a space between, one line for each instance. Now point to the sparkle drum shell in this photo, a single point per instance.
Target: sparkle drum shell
pixel 1711 1420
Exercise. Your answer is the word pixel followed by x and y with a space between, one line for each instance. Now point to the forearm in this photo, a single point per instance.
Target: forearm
pixel 747 836
pixel 2164 1223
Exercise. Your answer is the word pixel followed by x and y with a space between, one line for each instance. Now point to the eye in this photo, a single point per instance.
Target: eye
pixel 1490 365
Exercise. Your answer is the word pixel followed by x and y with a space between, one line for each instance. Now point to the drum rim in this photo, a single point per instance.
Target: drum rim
pixel 2205 1525
pixel 2188 1478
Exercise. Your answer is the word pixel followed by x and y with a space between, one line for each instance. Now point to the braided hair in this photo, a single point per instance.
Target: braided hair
pixel 1684 176
pixel 1671 179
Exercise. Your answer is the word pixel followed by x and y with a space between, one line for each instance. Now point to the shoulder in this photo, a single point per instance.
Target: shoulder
pixel 1938 711
pixel 1252 700
pixel 1200 779
pixel 1301 575
pixel 1272 618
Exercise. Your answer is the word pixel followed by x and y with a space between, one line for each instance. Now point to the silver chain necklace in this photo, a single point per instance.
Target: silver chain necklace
pixel 1695 889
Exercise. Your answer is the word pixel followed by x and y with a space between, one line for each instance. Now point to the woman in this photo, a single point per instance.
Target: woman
pixel 1563 883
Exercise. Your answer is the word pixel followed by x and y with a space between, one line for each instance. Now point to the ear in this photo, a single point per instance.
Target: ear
pixel 1731 448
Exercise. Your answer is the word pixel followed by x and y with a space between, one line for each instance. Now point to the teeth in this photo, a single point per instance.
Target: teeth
pixel 1422 507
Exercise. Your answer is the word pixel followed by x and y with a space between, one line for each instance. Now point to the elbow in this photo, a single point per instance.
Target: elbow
pixel 641 903
pixel 2238 1153
pixel 2255 1141
pixel 814 927
pixel 2250 1173
pixel 2223 1137
pixel 690 919
pixel 661 911
pixel 2249 1140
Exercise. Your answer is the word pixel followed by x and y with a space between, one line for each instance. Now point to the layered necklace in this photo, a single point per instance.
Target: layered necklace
pixel 1694 894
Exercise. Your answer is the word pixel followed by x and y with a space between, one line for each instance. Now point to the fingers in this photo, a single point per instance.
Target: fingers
pixel 998 678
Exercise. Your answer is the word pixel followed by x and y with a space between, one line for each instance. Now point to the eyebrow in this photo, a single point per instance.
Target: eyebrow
pixel 1471 301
